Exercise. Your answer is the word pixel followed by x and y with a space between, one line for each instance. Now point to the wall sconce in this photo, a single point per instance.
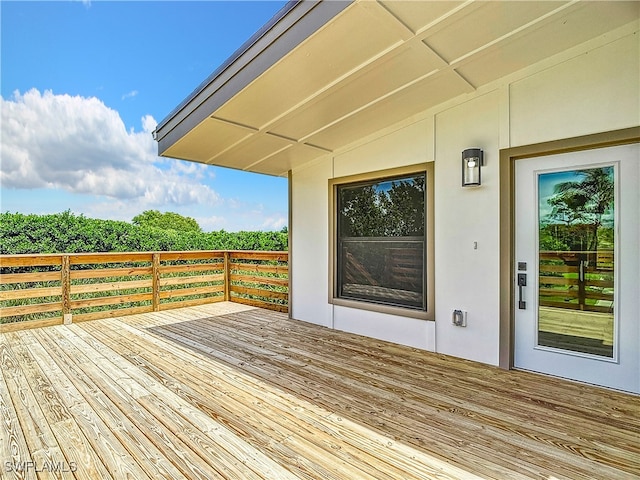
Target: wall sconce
pixel 472 160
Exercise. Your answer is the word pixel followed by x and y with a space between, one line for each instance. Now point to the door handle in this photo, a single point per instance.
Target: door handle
pixel 522 282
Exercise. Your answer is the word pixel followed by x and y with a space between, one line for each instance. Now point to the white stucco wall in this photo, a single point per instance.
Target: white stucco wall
pixel 310 245
pixel 468 278
pixel 594 92
pixel 584 91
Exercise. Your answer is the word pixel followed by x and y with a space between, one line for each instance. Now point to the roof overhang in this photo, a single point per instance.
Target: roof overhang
pixel 322 75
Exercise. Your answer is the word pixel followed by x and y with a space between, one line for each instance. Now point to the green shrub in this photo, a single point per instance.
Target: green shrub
pixel 69 233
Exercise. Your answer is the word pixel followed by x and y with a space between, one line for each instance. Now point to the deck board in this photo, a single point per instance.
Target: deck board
pixel 62 423
pixel 14 447
pixel 232 391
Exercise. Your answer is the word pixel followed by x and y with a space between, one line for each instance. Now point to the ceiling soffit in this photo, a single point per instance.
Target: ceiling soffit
pixel 359 35
pixel 377 63
pixel 468 30
pixel 405 103
pixel 393 72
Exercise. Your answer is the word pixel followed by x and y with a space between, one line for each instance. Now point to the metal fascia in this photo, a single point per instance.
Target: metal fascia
pixel 293 24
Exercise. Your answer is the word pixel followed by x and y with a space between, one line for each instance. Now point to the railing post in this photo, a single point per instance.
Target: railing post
pixel 65 283
pixel 227 277
pixel 155 283
pixel 582 291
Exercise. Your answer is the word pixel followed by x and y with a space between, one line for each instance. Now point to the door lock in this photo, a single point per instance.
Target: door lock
pixel 522 282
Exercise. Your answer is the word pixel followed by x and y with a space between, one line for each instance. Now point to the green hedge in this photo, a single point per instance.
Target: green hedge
pixel 69 233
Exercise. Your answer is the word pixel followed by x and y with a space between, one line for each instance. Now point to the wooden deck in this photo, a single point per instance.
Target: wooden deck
pixel 231 391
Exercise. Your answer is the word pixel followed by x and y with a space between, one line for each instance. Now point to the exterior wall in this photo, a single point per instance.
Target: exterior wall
pixel 593 92
pixel 310 271
pixel 587 90
pixel 468 278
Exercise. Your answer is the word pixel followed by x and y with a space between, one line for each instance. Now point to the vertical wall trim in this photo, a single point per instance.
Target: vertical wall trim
pixel 290 239
pixel 505 334
pixel 332 253
pixel 505 116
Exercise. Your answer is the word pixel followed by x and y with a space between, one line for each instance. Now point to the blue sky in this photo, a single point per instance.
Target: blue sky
pixel 84 84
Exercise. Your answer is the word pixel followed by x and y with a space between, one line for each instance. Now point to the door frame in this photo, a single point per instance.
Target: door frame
pixel 508 157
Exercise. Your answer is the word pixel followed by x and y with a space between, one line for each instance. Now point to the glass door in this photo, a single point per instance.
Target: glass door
pixel 577 222
pixel 576 267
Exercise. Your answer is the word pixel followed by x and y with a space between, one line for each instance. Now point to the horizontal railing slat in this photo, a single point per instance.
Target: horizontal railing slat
pixel 121 312
pixel 282 282
pixel 15 326
pixel 259 292
pixel 30 260
pixel 600 296
pixel 165 282
pixel 550 292
pixel 256 267
pixel 100 258
pixel 545 280
pixel 110 272
pixel 546 268
pixel 29 309
pixel 192 267
pixel 558 280
pixel 575 306
pixel 600 283
pixel 22 293
pixel 259 255
pixel 10 278
pixel 110 286
pixel 260 304
pixel 197 255
pixel 185 292
pixel 112 300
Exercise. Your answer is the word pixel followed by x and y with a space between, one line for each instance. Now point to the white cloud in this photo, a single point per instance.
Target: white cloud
pixel 80 145
pixel 130 94
pixel 212 222
pixel 148 124
pixel 246 220
pixel 274 223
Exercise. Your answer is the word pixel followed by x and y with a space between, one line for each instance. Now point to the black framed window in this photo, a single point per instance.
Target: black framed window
pixel 381 241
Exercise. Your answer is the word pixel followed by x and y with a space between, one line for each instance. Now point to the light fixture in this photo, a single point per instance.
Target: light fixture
pixel 472 160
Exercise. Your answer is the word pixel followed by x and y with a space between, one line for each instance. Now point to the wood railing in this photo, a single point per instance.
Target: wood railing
pixel 50 289
pixel 577 280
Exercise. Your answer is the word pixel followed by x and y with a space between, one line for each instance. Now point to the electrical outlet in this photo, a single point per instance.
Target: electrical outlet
pixel 459 318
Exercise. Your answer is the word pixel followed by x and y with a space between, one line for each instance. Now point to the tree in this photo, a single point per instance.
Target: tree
pixel 403 207
pixel 166 221
pixel 392 208
pixel 585 202
pixel 360 215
